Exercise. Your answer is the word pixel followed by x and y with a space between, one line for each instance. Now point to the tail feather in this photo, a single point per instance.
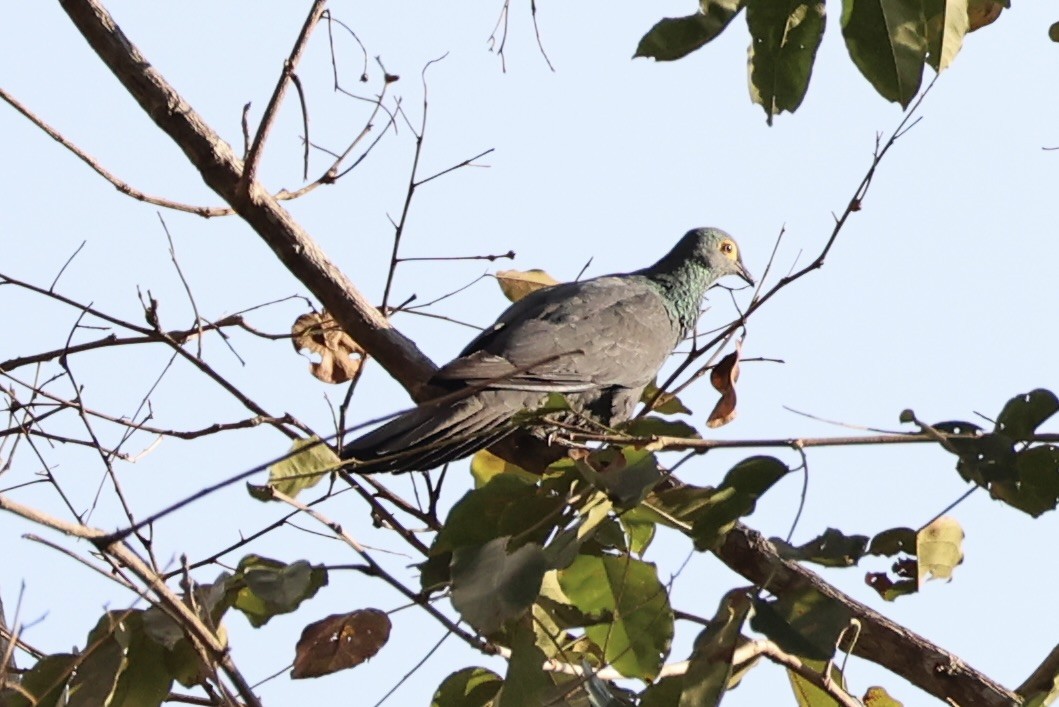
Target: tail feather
pixel 437 457
pixel 434 434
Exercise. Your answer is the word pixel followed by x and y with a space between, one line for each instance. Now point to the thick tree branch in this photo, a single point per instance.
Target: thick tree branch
pixel 1042 680
pixel 222 171
pixel 882 641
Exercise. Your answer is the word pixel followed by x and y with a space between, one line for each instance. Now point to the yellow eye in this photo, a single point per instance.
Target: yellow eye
pixel 728 248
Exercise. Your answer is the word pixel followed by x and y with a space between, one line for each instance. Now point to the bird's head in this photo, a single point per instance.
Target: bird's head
pixel 716 250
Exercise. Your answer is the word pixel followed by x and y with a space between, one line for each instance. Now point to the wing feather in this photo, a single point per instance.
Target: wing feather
pixel 575 337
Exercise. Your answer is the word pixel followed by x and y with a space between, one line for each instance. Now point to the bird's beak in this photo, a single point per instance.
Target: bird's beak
pixel 744 273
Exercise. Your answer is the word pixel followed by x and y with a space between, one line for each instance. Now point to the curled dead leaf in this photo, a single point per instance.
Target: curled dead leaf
pixel 318 333
pixel 723 378
pixel 516 284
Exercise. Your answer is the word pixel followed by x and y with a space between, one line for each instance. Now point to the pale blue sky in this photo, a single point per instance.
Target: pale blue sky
pixel 936 297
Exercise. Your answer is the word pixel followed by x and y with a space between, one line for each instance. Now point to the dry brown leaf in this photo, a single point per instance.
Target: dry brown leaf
pixel 340 641
pixel 723 377
pixel 516 284
pixel 318 333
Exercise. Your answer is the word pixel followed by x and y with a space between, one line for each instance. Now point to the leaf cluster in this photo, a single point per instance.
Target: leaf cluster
pixel 889 41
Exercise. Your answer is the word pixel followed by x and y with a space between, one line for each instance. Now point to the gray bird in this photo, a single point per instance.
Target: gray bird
pixel 599 342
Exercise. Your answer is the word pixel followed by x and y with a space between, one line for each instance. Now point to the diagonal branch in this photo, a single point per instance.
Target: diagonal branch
pixel 222 171
pixel 253 155
pixel 894 647
pixel 196 629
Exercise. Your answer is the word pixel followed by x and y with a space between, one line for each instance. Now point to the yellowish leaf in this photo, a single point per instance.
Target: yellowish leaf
pixel 878 697
pixel 939 548
pixel 309 461
pixel 485 465
pixel 516 284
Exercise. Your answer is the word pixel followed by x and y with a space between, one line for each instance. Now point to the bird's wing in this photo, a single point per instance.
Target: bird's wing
pixel 609 331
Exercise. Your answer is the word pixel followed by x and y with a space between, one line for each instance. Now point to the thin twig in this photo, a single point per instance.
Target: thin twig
pixel 470 639
pixel 120 185
pixel 852 206
pixel 253 155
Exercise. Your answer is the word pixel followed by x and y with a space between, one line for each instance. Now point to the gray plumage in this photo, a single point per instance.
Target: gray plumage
pixel 599 342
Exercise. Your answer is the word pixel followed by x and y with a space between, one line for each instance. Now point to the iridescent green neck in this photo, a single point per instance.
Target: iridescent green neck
pixel 683 284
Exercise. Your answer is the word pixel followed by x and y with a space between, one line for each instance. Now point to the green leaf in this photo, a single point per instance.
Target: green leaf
pixel 947 23
pixel 491 586
pixel 1036 488
pixel 832 549
pixel 607 536
pixel 525 684
pixel 625 474
pixel 676 37
pixel 887 41
pixel 562 614
pixel 900 543
pixel 806 694
pixel 639 533
pixel 805 622
pixel 181 659
pixel 46 681
pixel 598 692
pixel 434 571
pixel 485 465
pixel 784 37
pixel 564 547
pixel 736 497
pixel 638 639
pixel 266 587
pixel 653 426
pixel 476 518
pixel 984 458
pixel 673 507
pixel 1023 414
pixel 664 403
pixel 100 664
pixel 939 548
pixel 893 541
pixel 145 680
pixel 890 589
pixel 470 687
pixel 707 514
pixel 878 697
pixel 310 460
pixel 710 667
pixel 594 522
pixel 664 693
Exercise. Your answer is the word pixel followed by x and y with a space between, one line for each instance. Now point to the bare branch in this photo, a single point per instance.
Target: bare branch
pixel 253 156
pixel 852 206
pixel 120 185
pixel 223 172
pixel 197 630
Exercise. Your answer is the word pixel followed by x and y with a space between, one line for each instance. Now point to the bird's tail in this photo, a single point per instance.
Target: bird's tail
pixel 437 433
